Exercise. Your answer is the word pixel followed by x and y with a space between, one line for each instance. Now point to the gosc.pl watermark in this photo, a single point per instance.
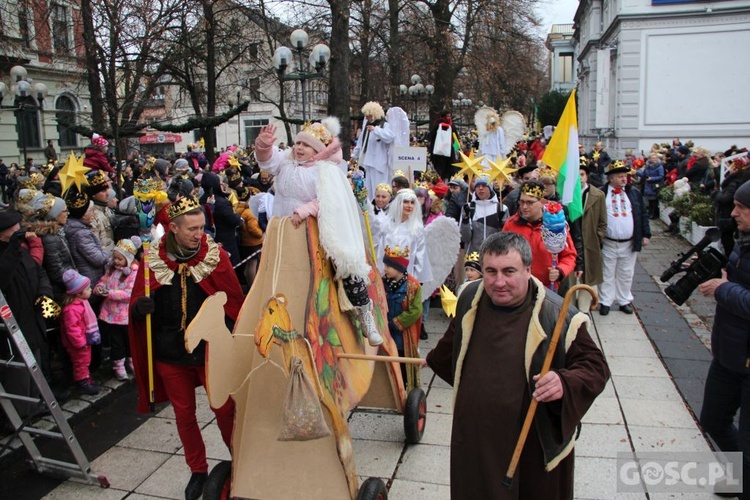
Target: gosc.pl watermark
pixel 679 472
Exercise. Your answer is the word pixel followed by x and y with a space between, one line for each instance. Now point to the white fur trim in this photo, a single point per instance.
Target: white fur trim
pixel 332 124
pixel 467 328
pixel 338 220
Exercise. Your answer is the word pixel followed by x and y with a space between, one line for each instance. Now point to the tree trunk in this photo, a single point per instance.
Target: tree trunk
pixel 446 68
pixel 366 93
pixel 92 66
pixel 338 85
pixel 208 14
pixel 395 61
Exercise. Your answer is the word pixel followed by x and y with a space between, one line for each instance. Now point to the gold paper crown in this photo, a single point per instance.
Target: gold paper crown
pixel 234 175
pixel 397 252
pixel 182 206
pixel 616 164
pixel 384 187
pixel 472 257
pixel 532 190
pixel 127 246
pixel 47 202
pixel 399 173
pixel 147 189
pixel 548 171
pixel 149 165
pixel 319 131
pixel 430 176
pixel 457 177
pixel 26 195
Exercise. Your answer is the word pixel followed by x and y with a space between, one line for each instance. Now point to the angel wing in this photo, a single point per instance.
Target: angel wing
pixel 514 127
pixel 254 205
pixel 480 121
pixel 399 122
pixel 442 239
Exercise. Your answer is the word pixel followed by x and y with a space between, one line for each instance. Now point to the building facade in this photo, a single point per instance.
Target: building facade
pixel 562 64
pixel 45 39
pixel 653 70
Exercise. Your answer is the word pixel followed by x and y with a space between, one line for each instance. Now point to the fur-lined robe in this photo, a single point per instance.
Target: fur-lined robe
pixel 490 365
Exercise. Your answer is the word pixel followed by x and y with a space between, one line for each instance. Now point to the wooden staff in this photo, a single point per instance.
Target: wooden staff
pixel 508 481
pixel 149 342
pixel 372 357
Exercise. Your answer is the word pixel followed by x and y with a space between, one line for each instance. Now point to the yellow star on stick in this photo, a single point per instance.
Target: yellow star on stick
pixel 469 165
pixel 73 173
pixel 500 169
pixel 449 301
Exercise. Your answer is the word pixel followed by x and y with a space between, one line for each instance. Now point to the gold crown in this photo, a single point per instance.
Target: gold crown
pixel 319 131
pixel 26 195
pixel 127 246
pixel 532 190
pixel 182 206
pixel 50 309
pixel 146 189
pixel 150 163
pixel 472 257
pixel 397 252
pixel 399 173
pixel 430 176
pixel 383 187
pixel 234 175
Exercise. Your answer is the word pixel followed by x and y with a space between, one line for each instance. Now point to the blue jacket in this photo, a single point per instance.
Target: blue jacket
pixel 731 331
pixel 652 174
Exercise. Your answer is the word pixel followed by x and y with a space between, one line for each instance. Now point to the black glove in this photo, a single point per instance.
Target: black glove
pixel 469 211
pixel 143 306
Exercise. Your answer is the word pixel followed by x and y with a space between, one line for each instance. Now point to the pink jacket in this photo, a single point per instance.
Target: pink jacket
pixel 115 306
pixel 74 325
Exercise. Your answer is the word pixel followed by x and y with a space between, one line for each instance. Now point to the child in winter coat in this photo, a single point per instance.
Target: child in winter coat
pixel 473 271
pixel 79 329
pixel 116 286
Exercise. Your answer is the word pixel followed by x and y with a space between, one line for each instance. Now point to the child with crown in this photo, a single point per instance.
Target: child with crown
pixel 404 294
pixel 311 183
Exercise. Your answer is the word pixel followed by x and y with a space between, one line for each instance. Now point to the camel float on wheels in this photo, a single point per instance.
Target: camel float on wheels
pixel 292 317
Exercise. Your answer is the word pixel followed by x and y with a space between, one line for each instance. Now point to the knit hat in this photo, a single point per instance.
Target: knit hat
pixel 97 182
pixel 472 261
pixel 75 283
pixel 396 258
pixel 128 248
pixel 319 135
pixel 47 207
pixel 742 195
pixel 9 218
pixel 179 187
pixel 181 164
pixel 482 180
pixel 78 203
pixel 98 140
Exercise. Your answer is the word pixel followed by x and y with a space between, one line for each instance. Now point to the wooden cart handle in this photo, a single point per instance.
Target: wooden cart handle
pixel 373 357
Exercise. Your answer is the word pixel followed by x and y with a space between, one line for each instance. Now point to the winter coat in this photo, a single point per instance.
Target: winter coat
pixel 724 198
pixel 487 217
pixel 74 325
pixel 225 221
pixel 114 309
pixel 88 255
pixel 95 159
pixel 454 203
pixel 101 224
pixel 653 175
pixel 730 336
pixel 57 256
pixel 697 171
pixel 251 234
pixel 542 258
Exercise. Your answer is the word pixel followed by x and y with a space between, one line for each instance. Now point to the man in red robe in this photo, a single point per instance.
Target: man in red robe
pixel 186 267
pixel 492 354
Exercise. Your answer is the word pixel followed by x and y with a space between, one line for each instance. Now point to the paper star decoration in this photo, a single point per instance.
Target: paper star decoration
pixel 469 165
pixel 500 170
pixel 73 173
pixel 448 300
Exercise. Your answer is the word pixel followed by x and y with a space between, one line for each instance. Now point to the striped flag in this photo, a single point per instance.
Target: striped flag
pixel 562 155
pixel 456 143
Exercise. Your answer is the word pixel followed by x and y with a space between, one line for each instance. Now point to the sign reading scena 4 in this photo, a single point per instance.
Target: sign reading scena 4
pixel 409 159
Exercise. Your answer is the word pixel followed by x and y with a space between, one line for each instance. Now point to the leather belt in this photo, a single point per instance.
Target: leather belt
pixel 618 241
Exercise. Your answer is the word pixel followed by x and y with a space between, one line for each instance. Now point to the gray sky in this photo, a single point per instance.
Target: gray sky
pixel 557 12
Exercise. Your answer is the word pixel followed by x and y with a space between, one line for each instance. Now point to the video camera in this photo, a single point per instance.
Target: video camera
pixel 707 265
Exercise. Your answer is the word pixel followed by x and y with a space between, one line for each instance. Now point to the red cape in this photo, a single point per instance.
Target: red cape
pixel 223 278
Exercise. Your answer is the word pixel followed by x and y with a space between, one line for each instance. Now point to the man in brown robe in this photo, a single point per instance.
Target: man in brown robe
pixel 492 353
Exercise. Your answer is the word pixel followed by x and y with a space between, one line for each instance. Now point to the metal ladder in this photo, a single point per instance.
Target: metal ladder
pixel 25 432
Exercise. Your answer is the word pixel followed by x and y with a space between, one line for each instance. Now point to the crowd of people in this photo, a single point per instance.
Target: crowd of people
pixel 70 261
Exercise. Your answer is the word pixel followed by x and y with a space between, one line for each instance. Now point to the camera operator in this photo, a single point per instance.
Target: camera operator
pixel 728 382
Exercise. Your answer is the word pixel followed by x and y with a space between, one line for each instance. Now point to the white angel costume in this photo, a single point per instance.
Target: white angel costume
pixel 372 153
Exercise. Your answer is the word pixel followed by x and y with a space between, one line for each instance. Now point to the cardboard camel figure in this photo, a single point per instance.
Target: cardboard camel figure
pixel 293 310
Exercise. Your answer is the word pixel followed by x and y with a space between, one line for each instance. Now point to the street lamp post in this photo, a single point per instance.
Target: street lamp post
pixel 461 104
pixel 417 90
pixel 23 109
pixel 319 56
